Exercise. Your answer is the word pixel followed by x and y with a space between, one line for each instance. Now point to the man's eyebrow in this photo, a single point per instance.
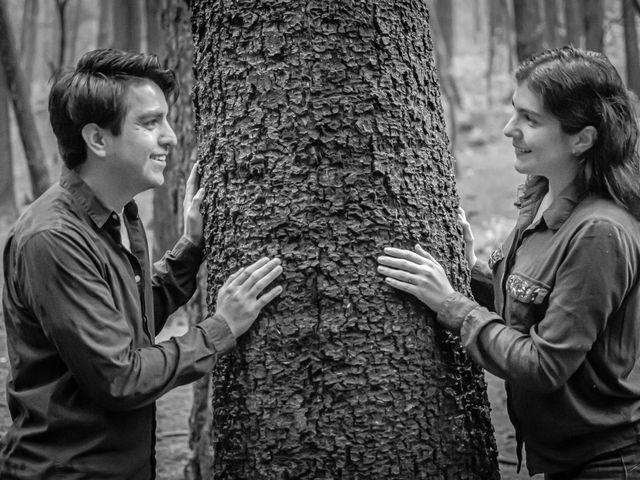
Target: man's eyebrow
pixel 149 114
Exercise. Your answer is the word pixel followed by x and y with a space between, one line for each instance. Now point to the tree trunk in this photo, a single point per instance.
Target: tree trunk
pixel 61 6
pixel 529 28
pixel 155 40
pixel 574 22
pixel 127 24
pixel 594 25
pixel 28 41
pixel 21 107
pixel 322 133
pixel 8 209
pixel 551 23
pixel 105 24
pixel 632 54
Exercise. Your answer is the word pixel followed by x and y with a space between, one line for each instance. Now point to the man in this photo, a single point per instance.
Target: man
pixel 80 304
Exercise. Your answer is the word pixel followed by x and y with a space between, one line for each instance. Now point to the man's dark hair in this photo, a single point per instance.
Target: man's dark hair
pixel 95 92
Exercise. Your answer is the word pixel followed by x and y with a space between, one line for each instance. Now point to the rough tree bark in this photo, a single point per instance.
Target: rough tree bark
pixel 529 28
pixel 631 46
pixel 21 106
pixel 322 132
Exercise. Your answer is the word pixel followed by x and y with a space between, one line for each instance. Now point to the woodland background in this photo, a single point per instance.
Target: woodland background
pixel 478 44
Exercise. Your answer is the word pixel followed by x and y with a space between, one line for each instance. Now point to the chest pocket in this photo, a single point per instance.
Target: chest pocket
pixel 526 301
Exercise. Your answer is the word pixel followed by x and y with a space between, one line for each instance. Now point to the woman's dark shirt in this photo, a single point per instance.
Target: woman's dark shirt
pixel 566 334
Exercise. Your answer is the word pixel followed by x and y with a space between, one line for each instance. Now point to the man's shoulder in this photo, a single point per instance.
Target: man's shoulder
pixel 55 211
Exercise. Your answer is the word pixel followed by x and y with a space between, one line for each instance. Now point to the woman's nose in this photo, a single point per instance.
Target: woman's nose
pixel 509 128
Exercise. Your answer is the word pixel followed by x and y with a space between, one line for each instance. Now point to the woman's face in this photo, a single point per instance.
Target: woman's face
pixel 541 147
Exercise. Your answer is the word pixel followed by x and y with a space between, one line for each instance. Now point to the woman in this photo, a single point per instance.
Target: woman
pixel 565 334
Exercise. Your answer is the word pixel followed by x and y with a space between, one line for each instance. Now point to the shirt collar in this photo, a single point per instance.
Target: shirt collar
pixel 94 207
pixel 563 205
pixel 534 190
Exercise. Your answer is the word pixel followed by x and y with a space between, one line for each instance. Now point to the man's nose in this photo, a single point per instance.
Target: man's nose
pixel 168 136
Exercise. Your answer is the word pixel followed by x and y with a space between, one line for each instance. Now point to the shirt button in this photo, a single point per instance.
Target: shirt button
pixel 114 216
pixel 137 278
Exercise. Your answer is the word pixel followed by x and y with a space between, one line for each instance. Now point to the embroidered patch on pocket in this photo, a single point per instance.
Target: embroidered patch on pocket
pixel 525 290
pixel 495 257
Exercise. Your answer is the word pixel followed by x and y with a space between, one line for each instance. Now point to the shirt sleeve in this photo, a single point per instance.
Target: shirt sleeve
pixel 67 291
pixel 590 284
pixel 174 280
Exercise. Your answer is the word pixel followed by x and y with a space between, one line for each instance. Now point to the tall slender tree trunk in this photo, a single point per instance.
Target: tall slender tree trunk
pixel 127 24
pixel 105 24
pixel 29 40
pixel 551 23
pixel 594 25
pixel 21 106
pixel 8 209
pixel 322 133
pixel 529 28
pixel 574 22
pixel 632 54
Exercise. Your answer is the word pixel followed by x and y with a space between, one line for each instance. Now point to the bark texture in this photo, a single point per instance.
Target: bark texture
pixel 322 132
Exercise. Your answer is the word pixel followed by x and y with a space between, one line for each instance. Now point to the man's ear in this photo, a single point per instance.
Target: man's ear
pixel 94 137
pixel 584 140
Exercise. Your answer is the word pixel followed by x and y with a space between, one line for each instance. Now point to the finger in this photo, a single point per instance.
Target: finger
pixel 406 254
pixel 233 276
pixel 401 275
pixel 423 253
pixel 197 198
pixel 266 280
pixel 269 296
pixel 192 182
pixel 405 287
pixel 400 264
pixel 242 278
pixel 260 273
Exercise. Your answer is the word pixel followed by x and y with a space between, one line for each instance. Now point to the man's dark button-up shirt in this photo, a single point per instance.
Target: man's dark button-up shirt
pixel 81 313
pixel 568 286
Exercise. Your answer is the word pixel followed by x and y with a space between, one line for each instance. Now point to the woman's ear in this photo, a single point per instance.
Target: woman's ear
pixel 94 137
pixel 584 140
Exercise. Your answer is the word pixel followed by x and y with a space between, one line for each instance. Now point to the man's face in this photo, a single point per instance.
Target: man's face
pixel 137 156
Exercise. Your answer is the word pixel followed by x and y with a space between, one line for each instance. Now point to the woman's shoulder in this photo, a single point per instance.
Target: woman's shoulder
pixel 604 216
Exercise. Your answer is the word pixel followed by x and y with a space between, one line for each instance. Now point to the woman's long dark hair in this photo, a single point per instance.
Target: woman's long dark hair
pixel 583 88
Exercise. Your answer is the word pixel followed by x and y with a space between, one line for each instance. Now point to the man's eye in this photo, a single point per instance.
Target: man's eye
pixel 151 123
